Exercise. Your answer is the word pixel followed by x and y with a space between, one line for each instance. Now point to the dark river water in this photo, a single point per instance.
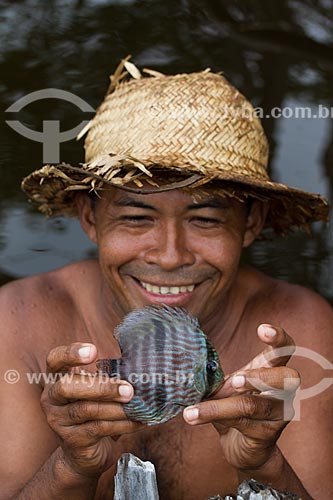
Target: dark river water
pixel 278 53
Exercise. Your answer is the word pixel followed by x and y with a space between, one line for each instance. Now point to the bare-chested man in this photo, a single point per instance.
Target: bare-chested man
pixel 177 244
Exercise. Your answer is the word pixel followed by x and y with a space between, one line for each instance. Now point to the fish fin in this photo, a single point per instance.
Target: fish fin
pixel 176 314
pixel 142 319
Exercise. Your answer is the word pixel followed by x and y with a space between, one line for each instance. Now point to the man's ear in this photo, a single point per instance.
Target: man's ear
pixel 87 215
pixel 255 221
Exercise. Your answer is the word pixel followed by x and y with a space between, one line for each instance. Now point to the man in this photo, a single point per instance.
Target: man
pixel 181 187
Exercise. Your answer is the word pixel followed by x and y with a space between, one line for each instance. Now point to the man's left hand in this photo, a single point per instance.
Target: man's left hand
pixel 255 403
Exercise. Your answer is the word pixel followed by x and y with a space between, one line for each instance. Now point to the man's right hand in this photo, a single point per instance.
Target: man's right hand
pixel 85 411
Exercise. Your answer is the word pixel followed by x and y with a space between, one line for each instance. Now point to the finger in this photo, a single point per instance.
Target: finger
pixel 245 406
pixel 85 411
pixel 91 432
pixel 282 379
pixel 80 412
pixel 260 430
pixel 226 390
pixel 62 357
pixel 71 387
pixel 281 348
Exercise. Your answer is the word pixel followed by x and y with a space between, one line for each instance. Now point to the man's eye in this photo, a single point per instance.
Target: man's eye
pixel 135 218
pixel 206 221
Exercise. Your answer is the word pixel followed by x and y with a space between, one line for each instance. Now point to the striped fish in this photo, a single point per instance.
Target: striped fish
pixel 168 360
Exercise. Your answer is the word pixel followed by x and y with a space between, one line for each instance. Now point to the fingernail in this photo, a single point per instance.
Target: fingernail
pixel 125 390
pixel 238 381
pixel 84 352
pixel 269 331
pixel 192 413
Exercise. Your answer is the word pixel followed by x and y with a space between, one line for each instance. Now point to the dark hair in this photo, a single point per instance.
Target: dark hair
pixel 248 203
pixel 93 199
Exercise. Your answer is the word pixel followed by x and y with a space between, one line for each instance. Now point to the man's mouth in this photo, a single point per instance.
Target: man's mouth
pixel 175 294
pixel 167 290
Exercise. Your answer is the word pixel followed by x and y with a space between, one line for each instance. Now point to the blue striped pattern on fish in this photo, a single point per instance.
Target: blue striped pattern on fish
pixel 167 358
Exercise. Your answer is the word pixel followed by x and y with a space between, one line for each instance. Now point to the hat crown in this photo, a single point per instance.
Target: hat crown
pixel 197 121
pixel 188 123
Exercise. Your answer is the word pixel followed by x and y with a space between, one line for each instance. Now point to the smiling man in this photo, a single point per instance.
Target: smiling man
pixel 169 249
pixel 175 186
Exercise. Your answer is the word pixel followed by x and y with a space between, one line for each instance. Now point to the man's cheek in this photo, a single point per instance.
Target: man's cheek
pixel 117 249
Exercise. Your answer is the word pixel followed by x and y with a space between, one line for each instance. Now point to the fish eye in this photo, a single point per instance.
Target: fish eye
pixel 211 366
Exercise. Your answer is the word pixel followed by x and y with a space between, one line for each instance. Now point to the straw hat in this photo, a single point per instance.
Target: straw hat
pixel 196 126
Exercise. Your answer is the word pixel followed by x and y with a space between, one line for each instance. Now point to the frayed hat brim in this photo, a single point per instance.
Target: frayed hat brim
pixel 53 189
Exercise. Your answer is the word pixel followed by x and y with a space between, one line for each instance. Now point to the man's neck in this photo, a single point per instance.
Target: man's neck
pixel 222 324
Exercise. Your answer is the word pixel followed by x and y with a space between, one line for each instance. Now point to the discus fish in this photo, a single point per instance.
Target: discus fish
pixel 168 360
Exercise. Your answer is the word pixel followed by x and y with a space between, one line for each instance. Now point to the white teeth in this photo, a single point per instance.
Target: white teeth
pixel 167 290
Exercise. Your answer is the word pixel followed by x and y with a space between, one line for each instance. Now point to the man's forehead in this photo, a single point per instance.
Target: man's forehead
pixel 205 194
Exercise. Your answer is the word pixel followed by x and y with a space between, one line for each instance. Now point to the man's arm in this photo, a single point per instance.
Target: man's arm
pixel 250 419
pixel 250 424
pixel 79 415
pixel 307 441
pixel 84 414
pixel 55 480
pixel 26 439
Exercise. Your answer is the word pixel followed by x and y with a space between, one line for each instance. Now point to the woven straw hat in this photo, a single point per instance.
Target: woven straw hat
pixel 197 127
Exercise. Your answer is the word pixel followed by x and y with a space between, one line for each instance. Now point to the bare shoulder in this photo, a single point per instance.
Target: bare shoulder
pixel 302 312
pixel 38 310
pixel 26 300
pixel 307 308
pixel 20 296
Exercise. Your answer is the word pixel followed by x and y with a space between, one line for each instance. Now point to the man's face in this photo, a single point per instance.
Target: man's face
pixel 169 248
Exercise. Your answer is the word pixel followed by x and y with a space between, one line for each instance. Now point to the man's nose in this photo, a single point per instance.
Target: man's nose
pixel 170 249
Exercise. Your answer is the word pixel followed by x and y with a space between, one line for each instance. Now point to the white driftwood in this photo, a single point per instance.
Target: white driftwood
pixel 135 480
